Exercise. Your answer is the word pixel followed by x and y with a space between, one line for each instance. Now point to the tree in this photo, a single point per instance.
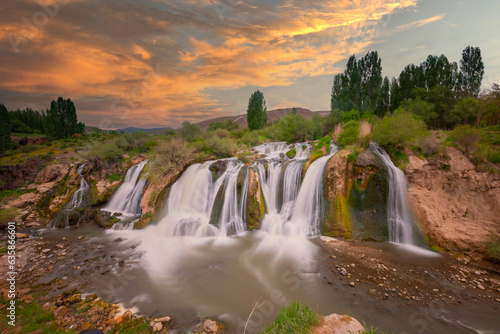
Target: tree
pixel 257 111
pixel 472 71
pixel 5 140
pixel 60 121
pixel 370 70
pixel 422 109
pixel 384 101
pixel 190 132
pixel 466 137
pixel 466 111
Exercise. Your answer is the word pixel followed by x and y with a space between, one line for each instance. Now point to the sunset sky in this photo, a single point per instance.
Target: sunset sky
pixel 155 63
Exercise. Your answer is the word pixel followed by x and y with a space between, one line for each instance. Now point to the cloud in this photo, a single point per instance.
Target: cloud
pixel 419 23
pixel 152 62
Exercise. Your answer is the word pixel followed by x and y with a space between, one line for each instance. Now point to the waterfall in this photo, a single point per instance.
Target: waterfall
pixel 192 199
pixel 79 199
pixel 293 207
pixel 127 198
pixel 400 222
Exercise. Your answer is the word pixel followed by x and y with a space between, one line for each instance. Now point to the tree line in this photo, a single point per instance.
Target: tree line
pixel 57 122
pixel 441 92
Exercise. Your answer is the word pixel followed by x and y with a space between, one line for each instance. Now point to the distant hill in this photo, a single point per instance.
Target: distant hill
pixel 271 116
pixel 153 131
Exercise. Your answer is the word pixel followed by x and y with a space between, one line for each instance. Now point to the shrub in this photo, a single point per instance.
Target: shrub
pixel 108 152
pixel 493 247
pixel 349 134
pixel 189 131
pixel 294 318
pixel 222 133
pixel 7 215
pixel 169 155
pixel 466 137
pixel 251 138
pixel 122 143
pixel 291 153
pixel 222 147
pixel 352 115
pixel 398 130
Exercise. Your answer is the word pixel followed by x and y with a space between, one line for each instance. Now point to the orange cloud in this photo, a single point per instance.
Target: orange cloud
pixel 160 78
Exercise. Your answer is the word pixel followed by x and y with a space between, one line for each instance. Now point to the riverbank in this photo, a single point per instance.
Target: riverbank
pixel 377 283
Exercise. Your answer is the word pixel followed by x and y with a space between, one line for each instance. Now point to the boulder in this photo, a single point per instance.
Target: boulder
pixel 338 324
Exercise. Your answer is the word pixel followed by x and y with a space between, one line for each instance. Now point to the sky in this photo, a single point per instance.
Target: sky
pixel 157 63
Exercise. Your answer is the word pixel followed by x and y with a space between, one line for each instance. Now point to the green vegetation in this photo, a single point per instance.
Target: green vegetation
pixel 257 111
pixel 295 318
pixel 398 130
pixel 7 215
pixel 5 140
pixel 349 134
pixel 493 247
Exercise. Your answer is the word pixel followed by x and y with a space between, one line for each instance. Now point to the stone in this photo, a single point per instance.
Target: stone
pixel 127 314
pixel 163 319
pixel 46 306
pixel 21 235
pixel 60 311
pixel 45 251
pixel 157 327
pixel 338 324
pixel 81 237
pixel 208 326
pixel 343 271
pixel 352 284
pixel 94 318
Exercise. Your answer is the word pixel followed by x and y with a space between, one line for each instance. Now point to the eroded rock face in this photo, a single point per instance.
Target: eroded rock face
pixel 457 208
pixel 256 206
pixel 13 176
pixel 355 197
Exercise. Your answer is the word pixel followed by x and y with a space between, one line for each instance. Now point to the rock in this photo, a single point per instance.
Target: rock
pixel 386 296
pixel 21 235
pixel 163 319
pixel 338 324
pixel 127 315
pixel 27 299
pixel 45 251
pixel 352 284
pixel 343 271
pixel 60 311
pixel 74 299
pixel 64 238
pixel 46 307
pixel 157 327
pixel 81 237
pixel 94 318
pixel 208 326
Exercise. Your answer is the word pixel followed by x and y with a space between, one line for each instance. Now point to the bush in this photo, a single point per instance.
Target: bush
pixel 222 133
pixel 349 134
pixel 295 318
pixel 493 247
pixel 190 132
pixel 122 143
pixel 251 138
pixel 169 155
pixel 222 147
pixel 466 137
pixel 7 215
pixel 352 115
pixel 398 130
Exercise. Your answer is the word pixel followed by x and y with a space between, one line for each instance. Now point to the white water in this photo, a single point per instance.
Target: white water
pixel 300 213
pixel 400 222
pixel 77 200
pixel 127 198
pixel 192 198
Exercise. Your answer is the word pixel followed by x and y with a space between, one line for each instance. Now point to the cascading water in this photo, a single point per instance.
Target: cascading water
pixel 192 200
pixel 293 207
pixel 79 199
pixel 400 222
pixel 127 197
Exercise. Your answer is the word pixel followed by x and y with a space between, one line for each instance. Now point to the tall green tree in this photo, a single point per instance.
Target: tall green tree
pixel 471 71
pixel 384 101
pixel 257 111
pixel 370 70
pixel 60 121
pixel 5 140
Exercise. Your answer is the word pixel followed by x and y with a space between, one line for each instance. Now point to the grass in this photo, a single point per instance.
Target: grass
pixel 132 326
pixel 7 215
pixel 113 177
pixel 295 318
pixel 493 248
pixel 30 318
pixel 15 193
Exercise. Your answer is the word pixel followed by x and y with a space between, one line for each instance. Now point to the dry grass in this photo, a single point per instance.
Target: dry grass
pixel 337 131
pixel 365 128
